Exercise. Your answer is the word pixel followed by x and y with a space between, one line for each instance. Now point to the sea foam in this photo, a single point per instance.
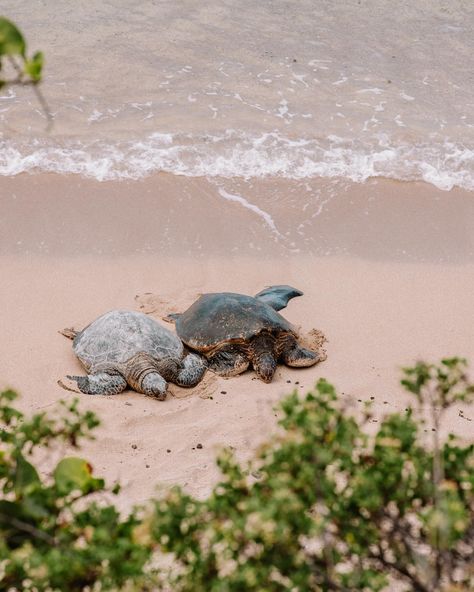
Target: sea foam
pixel 238 154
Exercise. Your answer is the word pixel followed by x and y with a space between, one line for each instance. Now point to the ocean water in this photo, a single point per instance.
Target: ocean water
pixel 300 89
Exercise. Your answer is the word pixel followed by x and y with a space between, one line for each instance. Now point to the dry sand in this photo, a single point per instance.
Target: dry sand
pixel 387 270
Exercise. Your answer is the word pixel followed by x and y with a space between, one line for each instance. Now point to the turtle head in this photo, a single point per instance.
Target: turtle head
pixel 262 356
pixel 154 385
pixel 265 367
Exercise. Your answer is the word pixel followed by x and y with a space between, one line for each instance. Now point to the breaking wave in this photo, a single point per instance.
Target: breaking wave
pixel 238 154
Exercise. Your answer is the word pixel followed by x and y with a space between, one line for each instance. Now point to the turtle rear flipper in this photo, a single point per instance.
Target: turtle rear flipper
pixel 278 296
pixel 70 333
pixel 172 317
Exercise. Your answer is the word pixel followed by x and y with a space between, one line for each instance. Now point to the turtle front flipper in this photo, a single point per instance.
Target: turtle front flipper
pixel 299 357
pixel 191 371
pixel 278 296
pixel 100 384
pixel 228 363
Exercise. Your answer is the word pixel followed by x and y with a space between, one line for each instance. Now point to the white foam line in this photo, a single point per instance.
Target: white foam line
pixel 240 154
pixel 376 91
pixel 246 204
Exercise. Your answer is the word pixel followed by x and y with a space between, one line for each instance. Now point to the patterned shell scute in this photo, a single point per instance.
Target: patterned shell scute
pixel 217 318
pixel 118 335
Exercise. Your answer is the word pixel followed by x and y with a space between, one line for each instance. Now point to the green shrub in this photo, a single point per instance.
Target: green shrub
pixel 332 508
pixel 54 533
pixel 322 507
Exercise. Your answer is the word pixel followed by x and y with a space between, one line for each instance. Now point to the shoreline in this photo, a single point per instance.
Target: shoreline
pixel 71 249
pixel 181 217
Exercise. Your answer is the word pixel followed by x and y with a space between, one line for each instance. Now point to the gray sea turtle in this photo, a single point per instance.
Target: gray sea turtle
pixel 234 330
pixel 123 348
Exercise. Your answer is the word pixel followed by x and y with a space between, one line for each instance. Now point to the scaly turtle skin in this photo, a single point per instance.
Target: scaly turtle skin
pixel 234 330
pixel 124 347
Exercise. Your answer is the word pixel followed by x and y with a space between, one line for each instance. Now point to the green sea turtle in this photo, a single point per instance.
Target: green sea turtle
pixel 233 331
pixel 123 348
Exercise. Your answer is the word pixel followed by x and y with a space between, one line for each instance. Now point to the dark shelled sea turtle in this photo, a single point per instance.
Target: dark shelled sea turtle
pixel 123 348
pixel 235 330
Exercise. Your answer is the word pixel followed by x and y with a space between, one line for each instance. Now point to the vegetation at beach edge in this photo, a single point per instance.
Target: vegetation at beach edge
pixel 323 506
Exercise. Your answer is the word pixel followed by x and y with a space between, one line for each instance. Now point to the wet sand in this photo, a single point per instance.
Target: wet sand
pixel 387 271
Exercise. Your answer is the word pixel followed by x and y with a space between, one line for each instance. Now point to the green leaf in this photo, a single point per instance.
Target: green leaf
pixel 75 474
pixel 11 40
pixel 34 66
pixel 25 475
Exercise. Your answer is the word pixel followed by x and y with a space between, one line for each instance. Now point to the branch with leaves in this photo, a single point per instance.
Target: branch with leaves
pixel 28 70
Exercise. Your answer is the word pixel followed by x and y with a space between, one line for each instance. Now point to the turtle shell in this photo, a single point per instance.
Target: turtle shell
pixel 215 319
pixel 118 335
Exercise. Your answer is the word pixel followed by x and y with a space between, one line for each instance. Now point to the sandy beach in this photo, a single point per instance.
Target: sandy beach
pixel 154 153
pixel 387 271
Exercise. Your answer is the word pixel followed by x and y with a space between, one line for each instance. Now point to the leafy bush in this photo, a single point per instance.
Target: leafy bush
pixel 322 507
pixel 53 534
pixel 332 508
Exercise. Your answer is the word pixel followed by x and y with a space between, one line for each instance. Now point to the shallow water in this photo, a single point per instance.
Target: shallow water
pixel 298 89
